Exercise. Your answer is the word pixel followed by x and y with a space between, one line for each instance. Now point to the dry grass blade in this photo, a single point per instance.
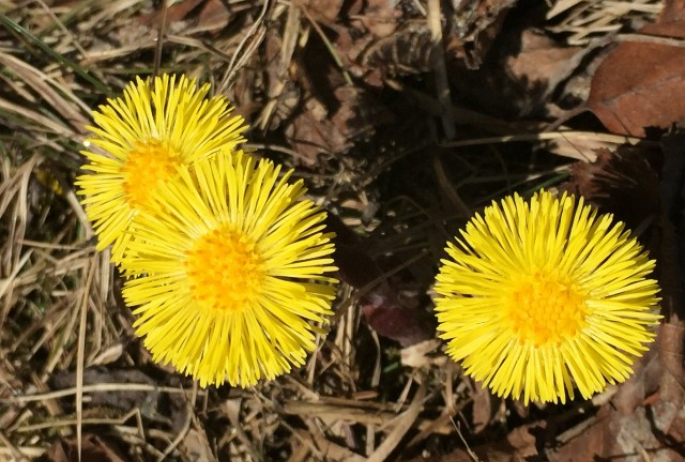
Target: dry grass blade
pixel 71 110
pixel 376 81
pixel 439 68
pixel 402 425
pixel 15 28
pixel 586 20
pixel 80 354
pixel 44 124
pixel 255 34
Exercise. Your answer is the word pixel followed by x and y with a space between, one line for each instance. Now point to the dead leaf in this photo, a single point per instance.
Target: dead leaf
pixel 422 354
pixel 93 449
pixel 316 129
pixel 174 13
pixel 196 447
pixel 613 436
pixel 518 446
pixel 326 11
pixel 518 77
pixel 146 401
pixel 641 83
pixel 482 407
pixel 541 64
pixel 215 15
pixel 383 311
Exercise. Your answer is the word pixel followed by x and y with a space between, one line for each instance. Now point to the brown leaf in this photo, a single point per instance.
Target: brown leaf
pixel 383 311
pixel 317 129
pixel 196 446
pixel 93 449
pixel 174 13
pixel 326 11
pixel 312 132
pixel 214 15
pixel 616 437
pixel 519 76
pixel 482 407
pixel 518 446
pixel 642 83
pixel 124 400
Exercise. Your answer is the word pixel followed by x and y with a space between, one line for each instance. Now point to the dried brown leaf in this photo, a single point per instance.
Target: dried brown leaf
pixel 383 311
pixel 125 400
pixel 518 78
pixel 616 437
pixel 93 449
pixel 322 11
pixel 316 130
pixel 641 83
pixel 196 446
pixel 482 408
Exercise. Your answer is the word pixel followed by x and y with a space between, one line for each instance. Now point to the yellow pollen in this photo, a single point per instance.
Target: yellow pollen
pixel 542 310
pixel 225 270
pixel 149 164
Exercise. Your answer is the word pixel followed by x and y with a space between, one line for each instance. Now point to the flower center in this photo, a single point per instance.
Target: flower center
pixel 149 164
pixel 225 270
pixel 543 310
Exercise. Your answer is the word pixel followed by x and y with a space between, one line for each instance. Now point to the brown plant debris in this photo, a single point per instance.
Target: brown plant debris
pixel 403 118
pixel 640 84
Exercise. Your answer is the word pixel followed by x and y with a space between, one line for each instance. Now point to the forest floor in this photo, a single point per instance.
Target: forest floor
pixel 404 118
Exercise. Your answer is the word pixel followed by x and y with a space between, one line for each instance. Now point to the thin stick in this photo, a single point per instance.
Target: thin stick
pixel 545 136
pixel 439 68
pixel 80 355
pixel 160 40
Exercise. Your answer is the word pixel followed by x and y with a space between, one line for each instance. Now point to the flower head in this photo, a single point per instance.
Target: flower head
pixel 145 135
pixel 539 296
pixel 236 269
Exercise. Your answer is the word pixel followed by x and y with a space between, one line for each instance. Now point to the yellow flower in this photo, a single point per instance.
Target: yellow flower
pixel 236 269
pixel 539 296
pixel 145 135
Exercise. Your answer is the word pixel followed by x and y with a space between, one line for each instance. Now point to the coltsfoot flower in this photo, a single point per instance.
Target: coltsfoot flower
pixel 143 137
pixel 538 297
pixel 237 271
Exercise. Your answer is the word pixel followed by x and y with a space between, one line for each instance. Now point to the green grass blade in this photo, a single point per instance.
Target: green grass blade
pixel 18 30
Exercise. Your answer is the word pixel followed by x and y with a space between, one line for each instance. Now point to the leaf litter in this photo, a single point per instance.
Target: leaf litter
pixel 346 93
